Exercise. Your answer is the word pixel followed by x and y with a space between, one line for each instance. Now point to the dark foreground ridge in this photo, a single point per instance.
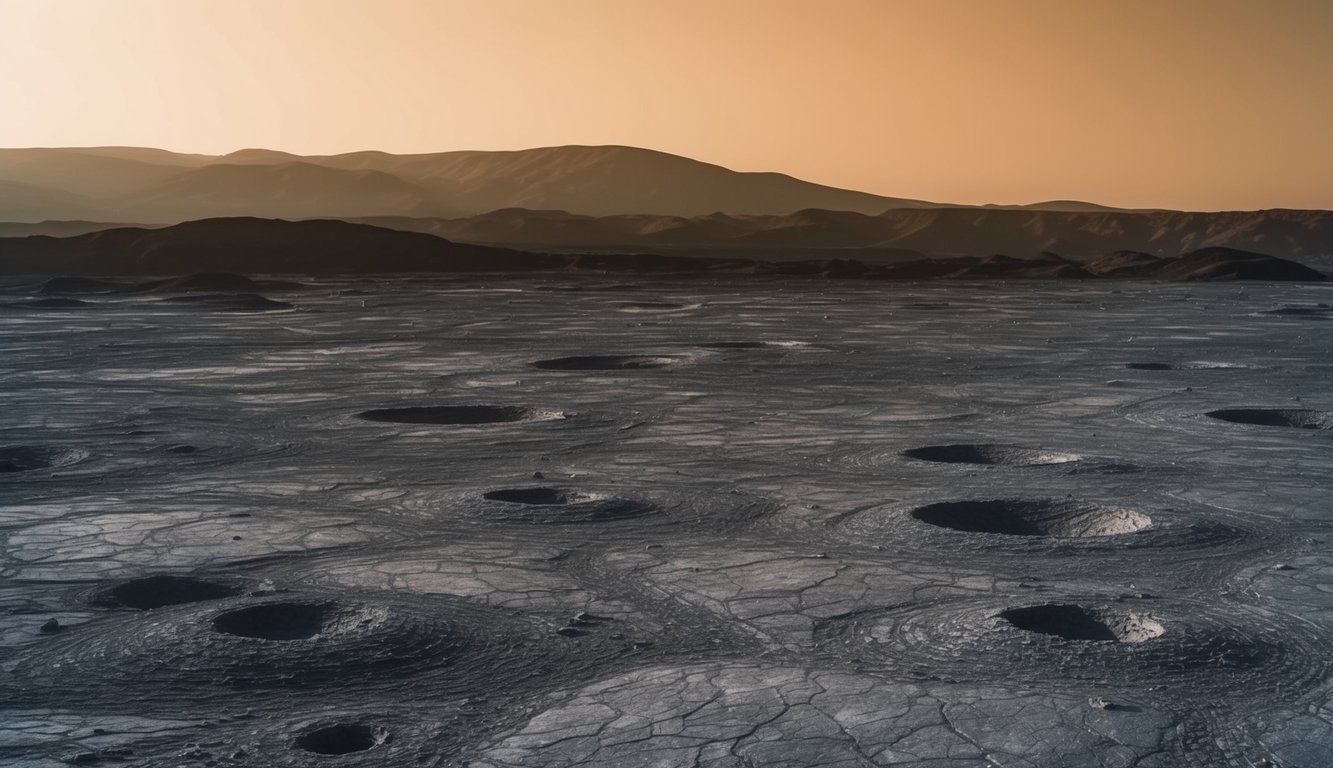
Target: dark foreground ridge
pixel 229 245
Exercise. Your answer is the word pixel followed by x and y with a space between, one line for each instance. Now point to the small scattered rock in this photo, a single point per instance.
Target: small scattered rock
pixel 52 626
pixel 569 632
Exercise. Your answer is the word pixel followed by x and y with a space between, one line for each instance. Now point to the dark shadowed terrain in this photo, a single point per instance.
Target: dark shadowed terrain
pixel 337 247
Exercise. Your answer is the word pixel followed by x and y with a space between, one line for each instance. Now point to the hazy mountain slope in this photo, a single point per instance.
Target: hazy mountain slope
pixel 606 180
pixel 51 228
pixel 587 180
pixel 287 190
pixel 23 202
pixel 82 173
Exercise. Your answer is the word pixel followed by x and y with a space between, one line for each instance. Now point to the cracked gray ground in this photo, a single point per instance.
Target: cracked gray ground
pixel 709 562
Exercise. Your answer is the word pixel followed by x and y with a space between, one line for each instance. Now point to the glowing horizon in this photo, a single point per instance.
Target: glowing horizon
pixel 1198 105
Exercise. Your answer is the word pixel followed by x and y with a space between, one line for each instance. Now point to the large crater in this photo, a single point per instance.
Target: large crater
pixel 604 363
pixel 989 454
pixel 160 591
pixel 343 739
pixel 1301 418
pixel 277 621
pixel 1076 622
pixel 451 414
pixel 1056 518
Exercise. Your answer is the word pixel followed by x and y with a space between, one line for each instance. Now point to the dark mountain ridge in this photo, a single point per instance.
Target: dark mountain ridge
pixel 1301 235
pixel 267 246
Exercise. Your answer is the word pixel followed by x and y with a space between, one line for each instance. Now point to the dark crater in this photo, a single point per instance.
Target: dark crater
pixel 1276 417
pixel 1195 366
pixel 276 621
pixel 341 739
pixel 449 414
pixel 538 496
pixel 163 590
pixel 1033 517
pixel 733 344
pixel 989 454
pixel 561 505
pixel 49 303
pixel 604 363
pixel 1318 310
pixel 1075 622
pixel 229 302
pixel 24 458
pixel 650 305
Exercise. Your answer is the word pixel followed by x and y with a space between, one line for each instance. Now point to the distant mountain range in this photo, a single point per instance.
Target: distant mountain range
pixel 156 186
pixel 606 198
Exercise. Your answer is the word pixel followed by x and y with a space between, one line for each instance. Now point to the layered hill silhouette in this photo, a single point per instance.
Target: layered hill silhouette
pixel 268 246
pixel 155 186
pixel 602 198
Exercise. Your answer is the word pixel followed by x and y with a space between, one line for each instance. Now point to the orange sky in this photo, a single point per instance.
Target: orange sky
pixel 1198 104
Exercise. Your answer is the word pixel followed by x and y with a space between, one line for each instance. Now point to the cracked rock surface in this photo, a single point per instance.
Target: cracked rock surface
pixel 486 521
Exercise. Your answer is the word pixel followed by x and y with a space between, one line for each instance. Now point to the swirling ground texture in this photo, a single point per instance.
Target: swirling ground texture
pixel 578 522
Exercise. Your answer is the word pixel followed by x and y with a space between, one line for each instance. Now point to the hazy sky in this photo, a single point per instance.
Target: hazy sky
pixel 1199 104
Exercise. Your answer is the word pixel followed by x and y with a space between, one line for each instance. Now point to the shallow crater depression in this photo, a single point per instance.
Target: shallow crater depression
pixel 1208 645
pixel 342 739
pixel 604 363
pixel 990 454
pixel 1300 418
pixel 277 621
pixel 1190 366
pixel 1055 518
pixel 159 591
pixel 555 505
pixel 296 641
pixel 452 414
pixel 25 458
pixel 1075 622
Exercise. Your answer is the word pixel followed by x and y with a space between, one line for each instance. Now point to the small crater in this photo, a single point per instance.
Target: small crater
pixel 649 306
pixel 229 302
pixel 548 505
pixel 1075 622
pixel 275 621
pixel 24 458
pixel 989 454
pixel 536 496
pixel 1191 366
pixel 342 739
pixel 604 363
pixel 1317 310
pixel 1033 517
pixel 1276 417
pixel 158 591
pixel 449 414
pixel 733 344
